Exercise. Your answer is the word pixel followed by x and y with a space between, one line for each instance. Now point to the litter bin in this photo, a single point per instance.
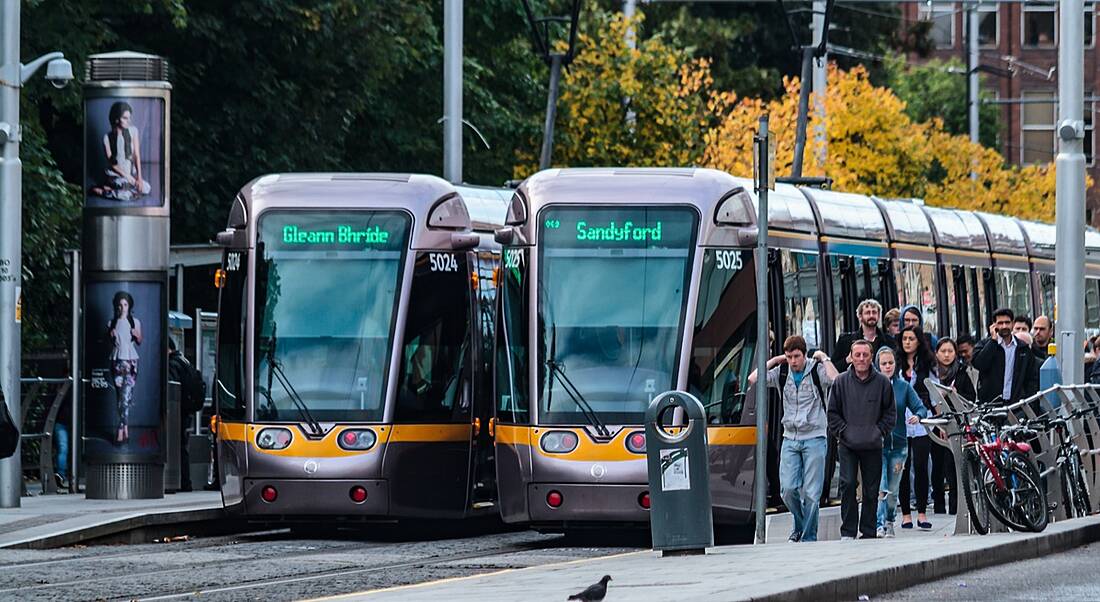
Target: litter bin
pixel 679 476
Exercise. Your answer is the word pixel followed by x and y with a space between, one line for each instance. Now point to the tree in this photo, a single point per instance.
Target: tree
pixel 874 147
pixel 939 89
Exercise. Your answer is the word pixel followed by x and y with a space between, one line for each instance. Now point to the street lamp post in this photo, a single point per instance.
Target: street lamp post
pixel 13 74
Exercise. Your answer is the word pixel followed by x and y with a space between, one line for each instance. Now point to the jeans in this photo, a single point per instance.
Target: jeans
pixel 801 476
pixel 893 467
pixel 920 449
pixel 868 462
pixel 61 455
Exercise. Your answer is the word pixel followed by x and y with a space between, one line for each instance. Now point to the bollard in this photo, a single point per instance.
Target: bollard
pixel 679 477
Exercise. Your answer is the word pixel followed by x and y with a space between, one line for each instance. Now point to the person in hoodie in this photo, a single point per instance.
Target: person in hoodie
pixel 861 413
pixel 911 316
pixel 895 446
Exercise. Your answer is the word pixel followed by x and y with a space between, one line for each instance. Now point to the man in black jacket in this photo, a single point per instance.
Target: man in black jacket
pixel 861 412
pixel 1008 371
pixel 868 313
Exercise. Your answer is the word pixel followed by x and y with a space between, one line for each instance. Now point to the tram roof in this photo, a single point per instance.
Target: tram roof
pixel 788 209
pixel 487 205
pixel 957 229
pixel 848 215
pixel 907 221
pixel 1041 237
pixel 1005 234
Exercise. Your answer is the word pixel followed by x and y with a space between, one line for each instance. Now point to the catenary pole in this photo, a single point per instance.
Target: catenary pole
pixel 973 86
pixel 760 501
pixel 1070 193
pixel 821 140
pixel 452 91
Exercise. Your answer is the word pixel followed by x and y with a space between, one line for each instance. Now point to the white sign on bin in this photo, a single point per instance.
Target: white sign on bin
pixel 674 469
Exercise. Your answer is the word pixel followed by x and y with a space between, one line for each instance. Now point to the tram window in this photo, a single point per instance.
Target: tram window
pixel 870 281
pixel 800 296
pixel 511 368
pixel 1046 294
pixel 1012 290
pixel 231 327
pixel 955 312
pixel 979 306
pixel 433 385
pixel 327 285
pixel 917 286
pixel 1092 306
pixel 488 262
pixel 843 306
pixel 724 339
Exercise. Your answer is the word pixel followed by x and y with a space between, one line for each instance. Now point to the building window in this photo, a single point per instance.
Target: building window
pixel 1039 25
pixel 1090 107
pixel 989 25
pixel 1089 21
pixel 1037 127
pixel 942 16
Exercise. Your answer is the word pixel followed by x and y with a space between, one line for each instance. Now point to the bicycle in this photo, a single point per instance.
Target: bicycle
pixel 998 477
pixel 1075 494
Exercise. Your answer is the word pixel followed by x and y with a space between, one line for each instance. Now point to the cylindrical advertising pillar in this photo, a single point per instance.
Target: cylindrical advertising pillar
pixel 127 101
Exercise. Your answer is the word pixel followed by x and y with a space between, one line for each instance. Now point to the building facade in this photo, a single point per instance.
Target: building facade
pixel 1019 53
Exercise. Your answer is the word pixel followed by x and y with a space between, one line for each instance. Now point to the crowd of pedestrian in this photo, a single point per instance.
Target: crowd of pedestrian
pixel 868 400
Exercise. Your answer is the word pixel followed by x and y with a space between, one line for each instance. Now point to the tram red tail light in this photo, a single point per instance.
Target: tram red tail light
pixel 635 442
pixel 269 494
pixel 643 500
pixel 357 439
pixel 358 494
pixel 559 442
pixel 554 499
pixel 274 439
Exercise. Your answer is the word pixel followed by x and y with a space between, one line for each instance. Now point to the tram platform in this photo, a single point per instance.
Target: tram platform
pixel 49 521
pixel 823 570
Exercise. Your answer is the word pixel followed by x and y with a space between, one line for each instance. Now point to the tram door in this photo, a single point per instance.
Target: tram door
pixel 483 465
pixel 428 458
pixel 229 393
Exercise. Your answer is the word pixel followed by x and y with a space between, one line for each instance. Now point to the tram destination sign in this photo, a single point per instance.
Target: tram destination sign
pixel 619 227
pixel 341 235
pixel 334 231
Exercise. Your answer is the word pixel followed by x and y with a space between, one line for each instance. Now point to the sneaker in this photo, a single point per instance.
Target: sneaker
pixel 889 530
pixel 794 538
pixel 880 532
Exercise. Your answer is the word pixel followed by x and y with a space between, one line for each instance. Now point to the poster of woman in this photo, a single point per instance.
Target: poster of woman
pixel 124 148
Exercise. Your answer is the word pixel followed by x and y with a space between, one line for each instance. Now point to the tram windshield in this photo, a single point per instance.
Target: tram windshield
pixel 612 288
pixel 327 285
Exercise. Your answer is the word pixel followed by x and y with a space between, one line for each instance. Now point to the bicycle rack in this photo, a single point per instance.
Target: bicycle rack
pixel 1043 449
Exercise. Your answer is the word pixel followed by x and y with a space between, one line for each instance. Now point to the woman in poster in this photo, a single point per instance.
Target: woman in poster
pixel 124 332
pixel 122 147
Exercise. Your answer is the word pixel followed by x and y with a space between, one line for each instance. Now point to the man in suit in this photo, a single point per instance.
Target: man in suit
pixel 1008 370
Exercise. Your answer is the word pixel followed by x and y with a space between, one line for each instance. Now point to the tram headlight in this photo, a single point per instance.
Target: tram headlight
pixel 274 439
pixel 357 440
pixel 559 442
pixel 635 442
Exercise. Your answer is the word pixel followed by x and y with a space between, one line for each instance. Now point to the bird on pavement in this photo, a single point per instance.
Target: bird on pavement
pixel 594 592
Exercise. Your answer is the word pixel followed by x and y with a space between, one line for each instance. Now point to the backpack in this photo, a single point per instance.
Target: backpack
pixel 785 371
pixel 192 388
pixel 9 432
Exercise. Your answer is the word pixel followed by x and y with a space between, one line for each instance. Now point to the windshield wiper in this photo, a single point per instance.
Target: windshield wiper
pixel 275 368
pixel 557 369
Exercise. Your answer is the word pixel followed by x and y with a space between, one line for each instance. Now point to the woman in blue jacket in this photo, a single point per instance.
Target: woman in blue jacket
pixel 895 446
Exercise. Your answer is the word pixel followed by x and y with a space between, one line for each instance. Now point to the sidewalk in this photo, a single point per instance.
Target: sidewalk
pixel 825 570
pixel 828 528
pixel 48 521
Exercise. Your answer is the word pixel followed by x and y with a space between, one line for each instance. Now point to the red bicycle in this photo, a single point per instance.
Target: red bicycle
pixel 998 477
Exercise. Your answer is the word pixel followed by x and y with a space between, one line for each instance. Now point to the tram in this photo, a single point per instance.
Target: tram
pixel 619 284
pixel 353 348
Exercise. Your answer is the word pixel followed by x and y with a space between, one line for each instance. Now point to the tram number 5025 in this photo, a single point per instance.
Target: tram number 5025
pixel 729 260
pixel 443 262
pixel 513 258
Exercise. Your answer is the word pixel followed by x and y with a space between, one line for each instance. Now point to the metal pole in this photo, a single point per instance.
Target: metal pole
pixel 11 234
pixel 973 85
pixel 803 109
pixel 760 501
pixel 628 12
pixel 551 112
pixel 179 291
pixel 78 380
pixel 452 91
pixel 1070 192
pixel 821 139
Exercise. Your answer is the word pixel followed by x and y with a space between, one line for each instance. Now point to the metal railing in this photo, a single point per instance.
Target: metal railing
pixel 42 401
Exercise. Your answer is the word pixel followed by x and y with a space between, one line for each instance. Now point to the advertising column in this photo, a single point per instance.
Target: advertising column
pixel 126 235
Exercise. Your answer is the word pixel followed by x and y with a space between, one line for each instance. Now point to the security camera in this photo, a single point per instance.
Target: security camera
pixel 59 72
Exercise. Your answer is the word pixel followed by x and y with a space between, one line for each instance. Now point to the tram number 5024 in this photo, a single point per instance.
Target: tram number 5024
pixel 729 260
pixel 443 262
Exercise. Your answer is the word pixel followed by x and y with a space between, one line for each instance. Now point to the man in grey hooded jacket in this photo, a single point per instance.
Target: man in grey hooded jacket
pixel 861 412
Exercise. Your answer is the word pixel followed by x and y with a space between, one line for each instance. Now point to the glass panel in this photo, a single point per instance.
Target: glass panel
pixel 231 332
pixel 979 315
pixel 952 309
pixel 326 297
pixel 837 277
pixel 725 333
pixel 1039 25
pixel 988 25
pixel 1038 146
pixel 511 366
pixel 432 386
pixel 621 351
pixel 917 286
pixel 1039 113
pixel 800 296
pixel 1092 307
pixel 1012 290
pixel 1046 294
pixel 488 264
pixel 875 292
pixel 943 23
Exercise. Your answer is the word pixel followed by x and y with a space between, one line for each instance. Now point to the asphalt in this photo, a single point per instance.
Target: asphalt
pixel 824 570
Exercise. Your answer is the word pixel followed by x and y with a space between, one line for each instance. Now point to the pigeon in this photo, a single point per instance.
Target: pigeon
pixel 594 592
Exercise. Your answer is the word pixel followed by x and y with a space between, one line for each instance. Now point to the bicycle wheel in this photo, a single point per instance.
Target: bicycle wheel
pixel 1069 486
pixel 973 485
pixel 1021 505
pixel 1082 505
